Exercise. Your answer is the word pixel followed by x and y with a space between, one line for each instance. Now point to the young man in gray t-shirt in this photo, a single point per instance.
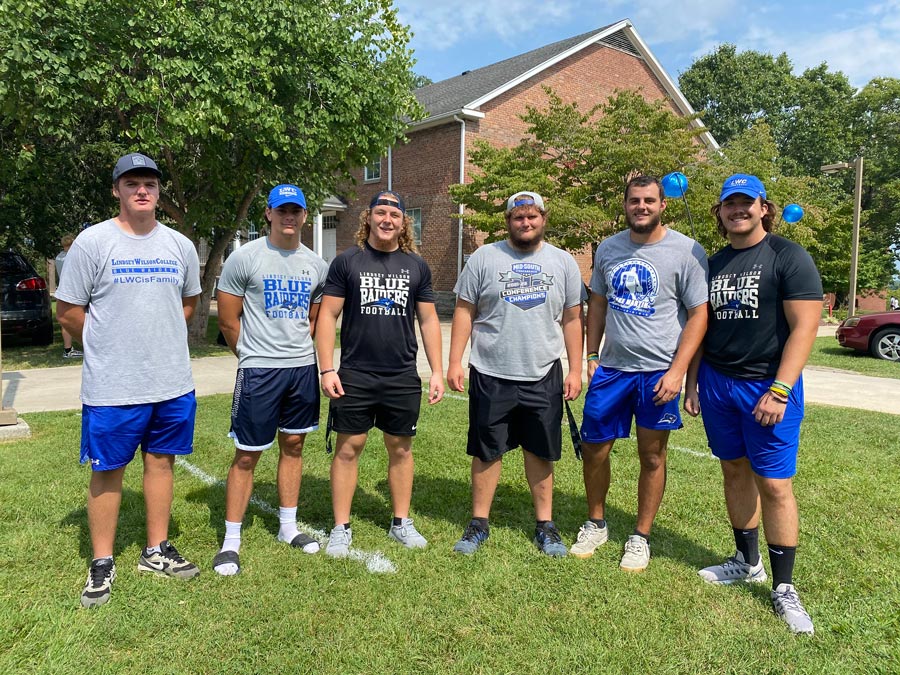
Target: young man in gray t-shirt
pixel 268 297
pixel 649 295
pixel 520 302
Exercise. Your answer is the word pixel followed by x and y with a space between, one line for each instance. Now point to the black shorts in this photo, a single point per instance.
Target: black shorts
pixel 389 401
pixel 504 414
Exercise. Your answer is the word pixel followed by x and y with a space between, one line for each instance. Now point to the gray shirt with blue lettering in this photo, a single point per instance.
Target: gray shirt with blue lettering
pixel 519 298
pixel 650 288
pixel 135 336
pixel 278 288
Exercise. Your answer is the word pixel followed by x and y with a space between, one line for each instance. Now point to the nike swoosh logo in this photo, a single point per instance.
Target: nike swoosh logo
pixel 771 550
pixel 155 565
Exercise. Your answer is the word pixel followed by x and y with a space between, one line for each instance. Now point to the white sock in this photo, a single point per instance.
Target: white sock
pixel 287 517
pixel 232 542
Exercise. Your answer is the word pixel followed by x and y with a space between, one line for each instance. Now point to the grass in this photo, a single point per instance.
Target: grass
pixel 505 610
pixel 828 353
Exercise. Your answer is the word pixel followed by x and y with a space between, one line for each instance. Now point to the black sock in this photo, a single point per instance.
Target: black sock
pixel 346 526
pixel 482 523
pixel 397 521
pixel 782 560
pixel 540 523
pixel 747 542
pixel 641 534
pixel 599 522
pixel 67 349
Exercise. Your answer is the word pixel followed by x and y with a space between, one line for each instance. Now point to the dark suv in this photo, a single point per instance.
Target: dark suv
pixel 26 300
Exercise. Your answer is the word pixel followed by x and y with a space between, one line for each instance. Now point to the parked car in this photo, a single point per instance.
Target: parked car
pixel 26 309
pixel 878 334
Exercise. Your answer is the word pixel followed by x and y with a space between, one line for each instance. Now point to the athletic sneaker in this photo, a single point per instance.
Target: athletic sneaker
pixel 101 575
pixel 734 571
pixel 407 534
pixel 590 536
pixel 637 554
pixel 473 537
pixel 73 354
pixel 168 562
pixel 339 542
pixel 789 609
pixel 548 541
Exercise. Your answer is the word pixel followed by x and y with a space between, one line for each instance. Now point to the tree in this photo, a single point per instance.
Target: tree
pixel 230 97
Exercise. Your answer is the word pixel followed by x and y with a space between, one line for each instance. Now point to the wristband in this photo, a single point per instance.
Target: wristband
pixel 325 372
pixel 782 385
pixel 593 357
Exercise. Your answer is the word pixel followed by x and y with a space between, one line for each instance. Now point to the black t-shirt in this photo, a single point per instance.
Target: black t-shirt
pixel 747 287
pixel 380 292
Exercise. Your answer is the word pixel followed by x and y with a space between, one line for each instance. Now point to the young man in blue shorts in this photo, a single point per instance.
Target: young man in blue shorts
pixel 130 286
pixel 520 302
pixel 381 286
pixel 649 300
pixel 268 295
pixel 765 304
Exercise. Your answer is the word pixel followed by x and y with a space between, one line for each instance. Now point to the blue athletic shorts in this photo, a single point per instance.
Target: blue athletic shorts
pixel 269 400
pixel 111 434
pixel 727 406
pixel 615 396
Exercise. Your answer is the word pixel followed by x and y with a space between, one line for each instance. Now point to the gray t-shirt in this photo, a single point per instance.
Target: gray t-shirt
pixel 520 298
pixel 58 264
pixel 135 336
pixel 278 288
pixel 649 287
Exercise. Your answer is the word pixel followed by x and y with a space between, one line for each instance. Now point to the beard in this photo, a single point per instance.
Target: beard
pixel 643 229
pixel 524 244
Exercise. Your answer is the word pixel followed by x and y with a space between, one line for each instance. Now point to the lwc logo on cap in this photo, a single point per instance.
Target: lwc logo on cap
pixel 287 191
pixel 736 182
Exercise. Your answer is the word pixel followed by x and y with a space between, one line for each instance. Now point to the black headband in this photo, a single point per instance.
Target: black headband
pixel 397 202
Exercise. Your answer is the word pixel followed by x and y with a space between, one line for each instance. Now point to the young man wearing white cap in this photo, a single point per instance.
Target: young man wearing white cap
pixel 381 286
pixel 765 305
pixel 519 300
pixel 130 286
pixel 649 299
pixel 268 297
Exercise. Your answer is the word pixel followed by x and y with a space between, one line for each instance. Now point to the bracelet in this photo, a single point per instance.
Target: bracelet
pixel 776 389
pixel 593 357
pixel 325 372
pixel 782 385
pixel 781 398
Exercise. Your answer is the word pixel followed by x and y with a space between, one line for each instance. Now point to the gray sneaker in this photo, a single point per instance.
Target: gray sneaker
pixel 100 578
pixel 734 571
pixel 789 609
pixel 168 562
pixel 407 534
pixel 339 542
pixel 73 354
pixel 590 536
pixel 637 554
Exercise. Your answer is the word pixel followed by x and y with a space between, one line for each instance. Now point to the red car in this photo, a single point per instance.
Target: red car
pixel 878 334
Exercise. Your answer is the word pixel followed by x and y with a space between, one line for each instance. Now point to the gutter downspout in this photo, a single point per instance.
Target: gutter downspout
pixel 390 159
pixel 462 179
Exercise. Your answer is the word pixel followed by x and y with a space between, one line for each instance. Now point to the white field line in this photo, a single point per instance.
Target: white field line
pixel 375 561
pixel 687 451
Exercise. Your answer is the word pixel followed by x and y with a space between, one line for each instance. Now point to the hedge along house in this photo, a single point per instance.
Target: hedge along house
pixel 486 104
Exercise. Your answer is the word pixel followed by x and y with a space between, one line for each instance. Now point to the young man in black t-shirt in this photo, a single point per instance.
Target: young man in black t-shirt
pixel 381 286
pixel 765 300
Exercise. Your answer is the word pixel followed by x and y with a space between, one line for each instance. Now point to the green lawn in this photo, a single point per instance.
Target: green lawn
pixel 829 354
pixel 507 609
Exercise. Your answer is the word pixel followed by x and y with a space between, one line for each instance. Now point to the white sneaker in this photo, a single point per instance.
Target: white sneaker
pixel 339 542
pixel 407 534
pixel 590 536
pixel 789 609
pixel 734 571
pixel 637 554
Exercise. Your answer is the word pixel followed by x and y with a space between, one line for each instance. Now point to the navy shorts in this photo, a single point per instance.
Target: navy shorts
pixel 615 396
pixel 732 431
pixel 111 434
pixel 504 414
pixel 388 401
pixel 268 400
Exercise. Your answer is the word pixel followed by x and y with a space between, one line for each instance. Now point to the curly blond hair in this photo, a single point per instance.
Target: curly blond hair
pixel 407 242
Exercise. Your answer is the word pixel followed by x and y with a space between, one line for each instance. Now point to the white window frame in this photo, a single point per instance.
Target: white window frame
pixel 372 171
pixel 416 215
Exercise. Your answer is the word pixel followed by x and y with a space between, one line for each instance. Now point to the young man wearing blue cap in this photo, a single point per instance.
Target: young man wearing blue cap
pixel 268 296
pixel 381 286
pixel 649 300
pixel 765 305
pixel 519 300
pixel 130 286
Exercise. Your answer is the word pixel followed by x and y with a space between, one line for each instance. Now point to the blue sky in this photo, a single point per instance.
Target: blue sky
pixel 860 38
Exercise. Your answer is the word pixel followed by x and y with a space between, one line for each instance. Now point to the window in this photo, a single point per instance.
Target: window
pixel 372 171
pixel 329 221
pixel 416 215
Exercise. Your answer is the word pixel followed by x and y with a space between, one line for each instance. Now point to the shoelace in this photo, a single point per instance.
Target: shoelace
pixel 99 573
pixel 635 545
pixel 790 601
pixel 551 535
pixel 473 533
pixel 170 552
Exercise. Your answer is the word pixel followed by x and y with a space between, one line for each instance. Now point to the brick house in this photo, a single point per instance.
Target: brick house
pixel 486 104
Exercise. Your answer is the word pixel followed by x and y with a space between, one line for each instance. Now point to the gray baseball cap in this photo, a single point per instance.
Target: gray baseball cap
pixel 135 161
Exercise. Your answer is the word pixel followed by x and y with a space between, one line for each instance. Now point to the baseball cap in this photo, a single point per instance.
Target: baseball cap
pixel 286 194
pixel 525 199
pixel 742 183
pixel 135 161
pixel 377 199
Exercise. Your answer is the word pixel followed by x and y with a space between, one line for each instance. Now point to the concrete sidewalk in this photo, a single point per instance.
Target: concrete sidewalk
pixel 44 389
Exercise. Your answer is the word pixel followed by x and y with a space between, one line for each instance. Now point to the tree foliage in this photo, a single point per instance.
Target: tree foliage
pixel 229 97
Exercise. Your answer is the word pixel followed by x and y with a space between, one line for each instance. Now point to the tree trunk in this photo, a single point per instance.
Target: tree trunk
pixel 199 323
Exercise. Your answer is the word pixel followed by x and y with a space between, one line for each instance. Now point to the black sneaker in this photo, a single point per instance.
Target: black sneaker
pixel 101 575
pixel 547 539
pixel 473 537
pixel 168 562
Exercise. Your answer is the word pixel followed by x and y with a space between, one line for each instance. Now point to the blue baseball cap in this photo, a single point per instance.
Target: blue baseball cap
pixel 135 161
pixel 286 194
pixel 742 183
pixel 379 199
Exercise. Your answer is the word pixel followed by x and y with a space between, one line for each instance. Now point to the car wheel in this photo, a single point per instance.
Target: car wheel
pixel 43 336
pixel 886 344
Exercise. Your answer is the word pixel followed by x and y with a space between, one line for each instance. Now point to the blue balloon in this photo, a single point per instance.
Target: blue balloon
pixel 792 213
pixel 674 184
